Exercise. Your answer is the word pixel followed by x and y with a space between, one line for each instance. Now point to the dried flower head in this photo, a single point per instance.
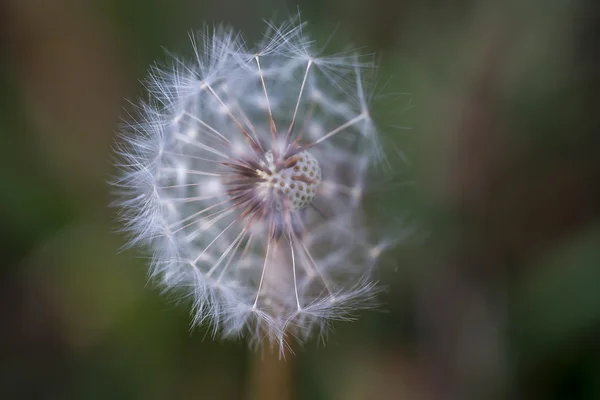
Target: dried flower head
pixel 245 176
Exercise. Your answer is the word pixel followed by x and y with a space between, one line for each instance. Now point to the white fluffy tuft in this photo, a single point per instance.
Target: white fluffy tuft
pixel 198 183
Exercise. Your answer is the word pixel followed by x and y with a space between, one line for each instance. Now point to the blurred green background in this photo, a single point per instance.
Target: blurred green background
pixel 497 296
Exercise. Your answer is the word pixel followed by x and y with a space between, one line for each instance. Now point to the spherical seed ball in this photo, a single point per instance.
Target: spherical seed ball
pixel 306 175
pixel 297 184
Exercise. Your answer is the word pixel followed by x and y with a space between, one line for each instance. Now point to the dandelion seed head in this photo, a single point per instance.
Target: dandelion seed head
pixel 244 174
pixel 294 185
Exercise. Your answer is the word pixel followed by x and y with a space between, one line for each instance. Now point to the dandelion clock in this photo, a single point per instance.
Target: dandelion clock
pixel 244 172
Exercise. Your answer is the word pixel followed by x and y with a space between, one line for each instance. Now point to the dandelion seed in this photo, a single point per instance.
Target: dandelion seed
pixel 245 175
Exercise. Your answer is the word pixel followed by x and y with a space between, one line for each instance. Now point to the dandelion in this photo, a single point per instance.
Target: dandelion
pixel 245 175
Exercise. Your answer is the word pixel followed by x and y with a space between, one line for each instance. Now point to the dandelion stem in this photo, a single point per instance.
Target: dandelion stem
pixel 271 377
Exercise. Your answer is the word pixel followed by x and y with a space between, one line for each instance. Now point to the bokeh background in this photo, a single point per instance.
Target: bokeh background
pixel 496 295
